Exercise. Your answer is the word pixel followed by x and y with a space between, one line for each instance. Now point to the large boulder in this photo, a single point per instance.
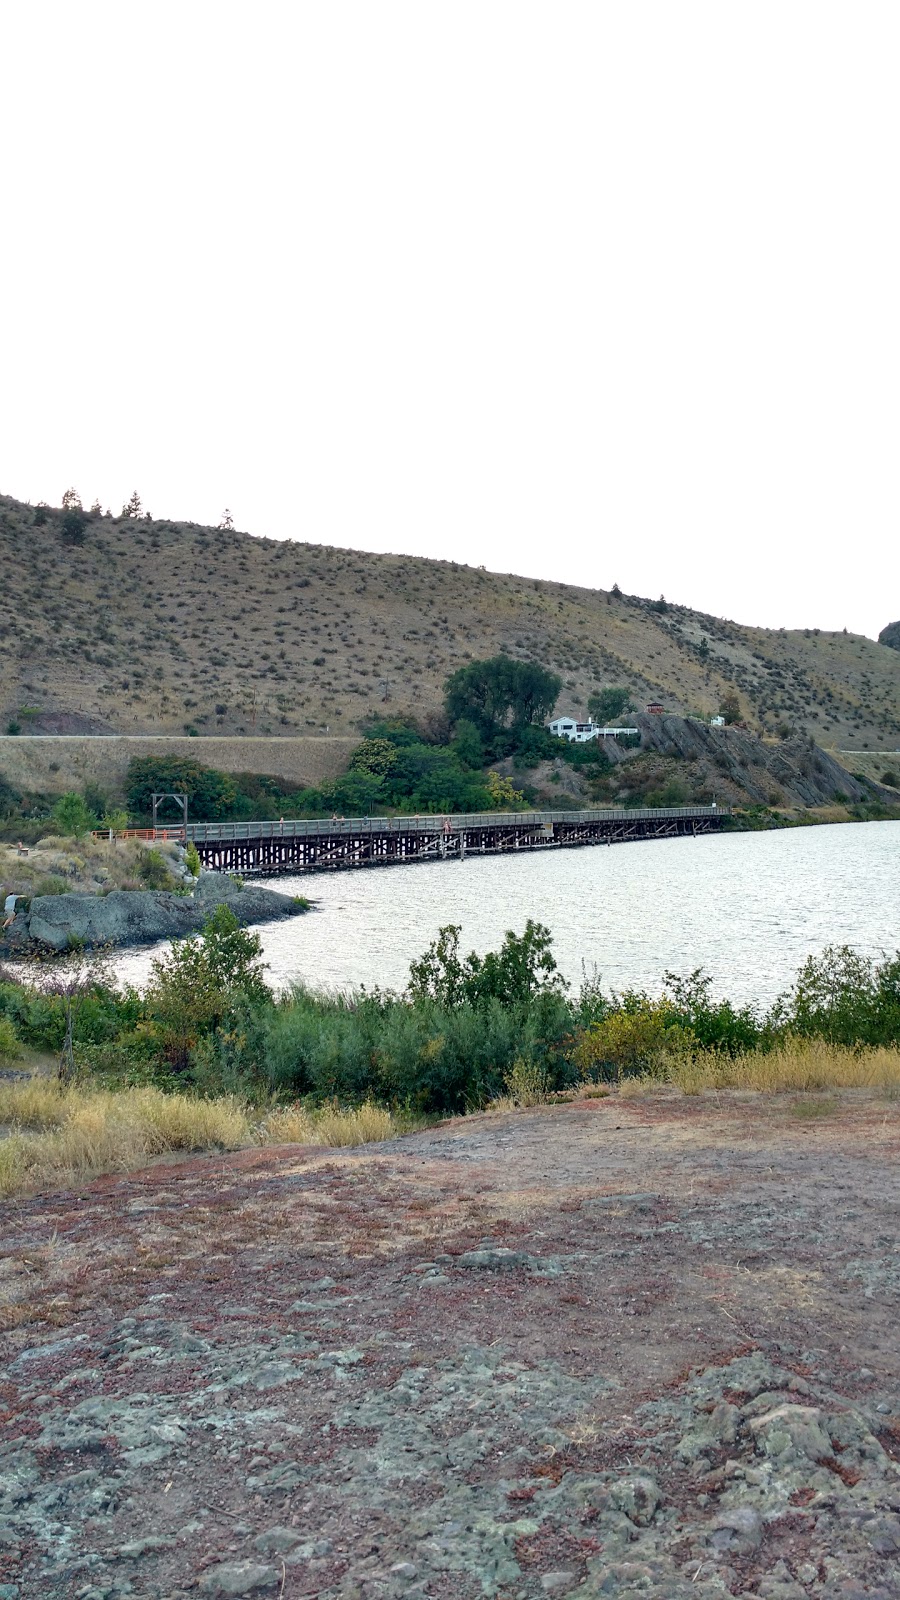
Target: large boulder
pixel 133 917
pixel 890 636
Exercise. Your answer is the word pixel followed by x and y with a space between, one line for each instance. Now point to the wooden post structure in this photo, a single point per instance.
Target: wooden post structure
pixel 181 800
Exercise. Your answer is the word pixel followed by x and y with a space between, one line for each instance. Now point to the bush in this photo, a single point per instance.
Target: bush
pixel 527 1084
pixel 50 885
pixel 642 1036
pixel 211 794
pixel 72 816
pixel 845 998
pixel 153 871
pixel 715 1024
pixel 38 1013
pixel 10 1049
pixel 521 969
pixel 115 819
pixel 194 986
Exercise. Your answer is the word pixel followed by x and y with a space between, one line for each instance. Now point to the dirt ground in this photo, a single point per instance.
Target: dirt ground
pixel 627 1348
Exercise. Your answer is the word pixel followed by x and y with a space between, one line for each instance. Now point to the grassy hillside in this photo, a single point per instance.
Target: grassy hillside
pixel 151 626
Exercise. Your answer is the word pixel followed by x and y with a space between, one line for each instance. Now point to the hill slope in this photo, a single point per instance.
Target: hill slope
pixel 152 626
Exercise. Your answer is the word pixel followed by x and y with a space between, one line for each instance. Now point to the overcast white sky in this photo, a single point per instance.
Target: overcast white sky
pixel 602 292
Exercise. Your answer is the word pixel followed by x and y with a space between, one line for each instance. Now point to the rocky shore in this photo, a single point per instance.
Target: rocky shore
pixel 135 917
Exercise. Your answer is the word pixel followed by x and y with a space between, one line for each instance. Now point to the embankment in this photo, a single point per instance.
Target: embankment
pixel 53 763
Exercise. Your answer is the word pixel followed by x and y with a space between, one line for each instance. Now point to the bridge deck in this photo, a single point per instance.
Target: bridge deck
pixel 319 844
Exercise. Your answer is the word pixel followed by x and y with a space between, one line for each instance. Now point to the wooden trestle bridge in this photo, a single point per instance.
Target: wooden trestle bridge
pixel 259 848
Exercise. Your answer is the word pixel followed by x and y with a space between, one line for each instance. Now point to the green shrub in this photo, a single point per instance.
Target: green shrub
pixel 522 968
pixel 50 885
pixel 153 871
pixel 73 816
pixel 638 1037
pixel 194 986
pixel 211 794
pixel 845 998
pixel 527 1084
pixel 116 819
pixel 10 1049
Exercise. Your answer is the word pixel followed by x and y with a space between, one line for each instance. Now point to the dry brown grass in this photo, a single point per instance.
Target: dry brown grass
pixel 797 1066
pixel 331 1125
pixel 59 1135
pixel 86 866
pixel 62 1135
pixel 338 634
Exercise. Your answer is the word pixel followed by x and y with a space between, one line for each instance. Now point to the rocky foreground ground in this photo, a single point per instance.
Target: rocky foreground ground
pixel 627 1349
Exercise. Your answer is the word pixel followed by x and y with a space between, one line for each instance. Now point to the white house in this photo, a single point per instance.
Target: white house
pixel 575 732
pixel 582 732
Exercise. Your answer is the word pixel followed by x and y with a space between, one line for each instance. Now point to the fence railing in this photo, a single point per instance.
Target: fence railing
pixel 458 822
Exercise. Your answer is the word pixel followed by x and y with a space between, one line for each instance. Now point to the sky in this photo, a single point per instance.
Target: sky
pixel 600 292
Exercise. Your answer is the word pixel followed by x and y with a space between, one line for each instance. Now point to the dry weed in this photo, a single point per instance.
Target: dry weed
pixel 36 1103
pixel 58 1135
pixel 808 1110
pixel 76 1133
pixel 798 1064
pixel 330 1126
pixel 643 1083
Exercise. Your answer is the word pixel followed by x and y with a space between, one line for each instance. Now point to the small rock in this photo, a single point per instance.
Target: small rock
pixel 243 1577
pixel 500 1259
pixel 553 1582
pixel 792 1430
pixel 277 1541
pixel 883 1534
pixel 404 1569
pixel 637 1497
pixel 143 1547
pixel 739 1530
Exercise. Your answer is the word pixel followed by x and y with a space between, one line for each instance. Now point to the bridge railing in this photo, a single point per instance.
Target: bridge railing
pixel 335 827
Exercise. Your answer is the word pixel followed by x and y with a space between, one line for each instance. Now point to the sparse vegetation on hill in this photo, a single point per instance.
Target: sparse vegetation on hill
pixel 55 866
pixel 144 625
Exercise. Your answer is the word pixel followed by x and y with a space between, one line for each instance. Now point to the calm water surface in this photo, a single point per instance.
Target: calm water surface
pixel 748 907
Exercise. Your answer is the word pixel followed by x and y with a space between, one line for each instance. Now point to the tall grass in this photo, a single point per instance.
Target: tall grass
pixel 63 1135
pixel 794 1065
pixel 330 1125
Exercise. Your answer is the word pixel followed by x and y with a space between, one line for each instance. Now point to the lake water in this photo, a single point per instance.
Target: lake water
pixel 748 907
